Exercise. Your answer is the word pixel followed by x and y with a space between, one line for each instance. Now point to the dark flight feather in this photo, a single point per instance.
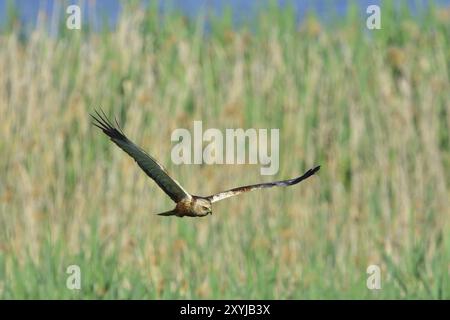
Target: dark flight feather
pixel 146 162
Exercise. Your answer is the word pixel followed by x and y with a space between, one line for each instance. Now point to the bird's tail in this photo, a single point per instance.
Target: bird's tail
pixel 167 213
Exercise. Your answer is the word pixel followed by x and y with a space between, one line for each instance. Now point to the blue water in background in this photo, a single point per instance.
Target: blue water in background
pixel 97 12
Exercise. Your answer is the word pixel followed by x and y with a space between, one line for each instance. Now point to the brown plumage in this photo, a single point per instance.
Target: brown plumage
pixel 186 204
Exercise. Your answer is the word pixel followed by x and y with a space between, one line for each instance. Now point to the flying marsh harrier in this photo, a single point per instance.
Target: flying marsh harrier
pixel 186 204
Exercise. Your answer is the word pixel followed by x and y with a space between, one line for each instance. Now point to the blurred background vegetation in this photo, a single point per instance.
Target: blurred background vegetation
pixel 371 107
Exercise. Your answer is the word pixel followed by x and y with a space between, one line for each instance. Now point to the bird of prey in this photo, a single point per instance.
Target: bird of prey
pixel 186 204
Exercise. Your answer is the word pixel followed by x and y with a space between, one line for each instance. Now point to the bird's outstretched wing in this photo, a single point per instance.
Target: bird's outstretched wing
pixel 284 183
pixel 147 163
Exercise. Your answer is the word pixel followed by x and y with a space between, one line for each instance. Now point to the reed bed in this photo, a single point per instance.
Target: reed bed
pixel 371 107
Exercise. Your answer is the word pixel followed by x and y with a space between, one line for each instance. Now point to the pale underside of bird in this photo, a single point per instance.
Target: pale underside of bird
pixel 186 204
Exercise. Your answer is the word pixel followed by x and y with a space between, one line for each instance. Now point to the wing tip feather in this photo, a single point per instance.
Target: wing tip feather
pixel 313 171
pixel 308 174
pixel 102 122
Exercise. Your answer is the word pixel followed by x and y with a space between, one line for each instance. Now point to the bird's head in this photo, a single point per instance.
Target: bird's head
pixel 202 207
